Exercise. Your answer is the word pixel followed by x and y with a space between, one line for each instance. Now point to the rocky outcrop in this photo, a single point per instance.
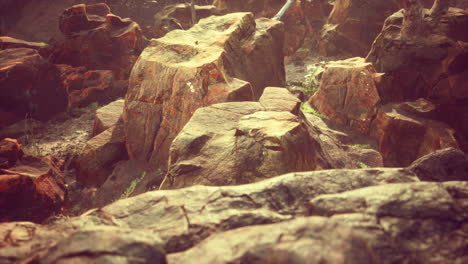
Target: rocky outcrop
pixel 180 219
pixel 227 58
pixel 29 83
pixel 348 93
pixel 179 16
pixel 353 25
pixel 108 116
pixel 13 43
pixel 443 165
pixel 98 40
pixel 404 137
pixel 31 190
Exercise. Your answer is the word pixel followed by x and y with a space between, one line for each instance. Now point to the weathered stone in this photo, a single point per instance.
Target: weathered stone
pixel 443 165
pixel 405 137
pixel 186 70
pixel 353 25
pixel 10 152
pixel 179 16
pixel 28 84
pixel 425 221
pixel 311 240
pixel 279 99
pixel 11 43
pixel 96 160
pixel 108 116
pixel 98 40
pixel 348 93
pixel 31 190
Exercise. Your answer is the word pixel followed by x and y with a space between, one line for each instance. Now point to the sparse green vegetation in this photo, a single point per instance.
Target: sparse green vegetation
pixel 361 146
pixel 42 44
pixel 132 186
pixel 307 108
pixel 311 81
pixel 362 165
pixel 32 145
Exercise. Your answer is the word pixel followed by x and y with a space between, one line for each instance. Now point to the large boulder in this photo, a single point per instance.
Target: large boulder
pixel 10 152
pixel 32 190
pixel 353 25
pixel 29 84
pixel 405 136
pixel 98 40
pixel 228 58
pixel 108 116
pixel 348 93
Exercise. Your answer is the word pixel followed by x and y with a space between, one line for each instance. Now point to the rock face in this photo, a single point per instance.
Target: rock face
pixel 178 220
pixel 29 83
pixel 404 137
pixel 31 190
pixel 108 116
pixel 348 93
pixel 434 67
pixel 227 58
pixel 353 25
pixel 10 152
pixel 179 16
pixel 98 40
pixel 443 165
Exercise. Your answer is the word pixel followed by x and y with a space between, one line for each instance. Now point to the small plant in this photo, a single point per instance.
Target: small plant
pixel 362 165
pixel 307 108
pixel 32 145
pixel 132 186
pixel 311 80
pixel 361 146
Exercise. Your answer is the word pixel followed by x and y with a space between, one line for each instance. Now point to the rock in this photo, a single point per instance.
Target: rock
pixel 238 143
pixel 443 165
pixel 21 128
pixel 12 43
pixel 348 93
pixel 29 84
pixel 36 186
pixel 98 40
pixel 353 25
pixel 185 70
pixel 96 160
pixel 10 152
pixel 295 19
pixel 106 245
pixel 108 116
pixel 179 16
pixel 279 99
pixel 430 68
pixel 310 240
pixel 182 222
pixel 404 137
pixel 411 216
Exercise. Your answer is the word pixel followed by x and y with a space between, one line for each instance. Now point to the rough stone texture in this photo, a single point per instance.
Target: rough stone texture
pixel 28 84
pixel 96 160
pixel 425 222
pixel 311 240
pixel 404 137
pixel 186 70
pixel 10 152
pixel 31 190
pixel 108 116
pixel 179 16
pixel 98 40
pixel 295 20
pixel 443 165
pixel 279 99
pixel 182 218
pixel 348 93
pixel 11 43
pixel 353 25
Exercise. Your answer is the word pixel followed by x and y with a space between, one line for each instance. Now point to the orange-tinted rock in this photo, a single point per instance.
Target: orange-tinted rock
pixel 295 19
pixel 84 87
pixel 29 84
pixel 37 187
pixel 96 161
pixel 10 43
pixel 353 25
pixel 404 137
pixel 348 93
pixel 98 40
pixel 226 58
pixel 179 16
pixel 10 152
